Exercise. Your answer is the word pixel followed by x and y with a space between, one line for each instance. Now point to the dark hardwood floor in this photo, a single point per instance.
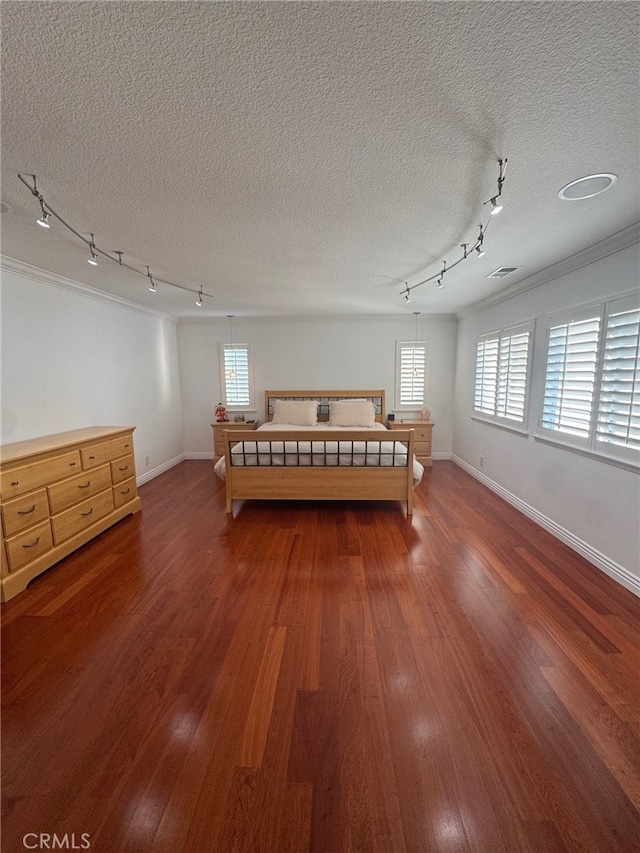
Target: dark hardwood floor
pixel 322 677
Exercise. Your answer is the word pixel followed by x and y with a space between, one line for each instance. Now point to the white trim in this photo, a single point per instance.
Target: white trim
pixel 601 561
pixel 161 469
pixel 53 280
pixel 609 246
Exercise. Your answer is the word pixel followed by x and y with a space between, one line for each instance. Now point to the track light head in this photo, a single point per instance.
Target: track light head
pixel 496 206
pixel 43 222
pixel 152 286
pixel 199 299
pixel 93 260
pixel 439 283
pixel 480 250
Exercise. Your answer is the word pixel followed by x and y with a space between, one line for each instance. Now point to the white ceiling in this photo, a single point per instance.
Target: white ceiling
pixel 309 158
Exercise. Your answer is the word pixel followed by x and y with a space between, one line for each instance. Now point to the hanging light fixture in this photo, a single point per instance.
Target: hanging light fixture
pixel 152 284
pixel 415 345
pixel 233 370
pixel 199 299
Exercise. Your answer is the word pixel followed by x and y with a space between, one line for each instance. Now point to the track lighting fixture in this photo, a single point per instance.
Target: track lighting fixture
pixel 93 260
pixel 477 248
pixel 49 212
pixel 43 222
pixel 199 299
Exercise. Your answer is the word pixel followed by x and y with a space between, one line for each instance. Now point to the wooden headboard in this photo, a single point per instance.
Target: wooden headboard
pixel 324 398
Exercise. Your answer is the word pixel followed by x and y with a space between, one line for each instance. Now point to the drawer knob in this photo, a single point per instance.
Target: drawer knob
pixel 26 511
pixel 15 483
pixel 92 457
pixel 72 464
pixel 125 491
pixel 86 485
pixel 123 469
pixel 33 544
pixel 87 513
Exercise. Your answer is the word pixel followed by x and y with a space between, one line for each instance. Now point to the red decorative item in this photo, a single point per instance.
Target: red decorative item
pixel 221 413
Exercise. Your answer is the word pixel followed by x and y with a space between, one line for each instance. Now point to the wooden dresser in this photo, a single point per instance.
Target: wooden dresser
pixel 219 428
pixel 422 438
pixel 58 492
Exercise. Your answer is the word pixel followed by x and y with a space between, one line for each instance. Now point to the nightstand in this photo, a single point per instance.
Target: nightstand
pixel 421 439
pixel 219 428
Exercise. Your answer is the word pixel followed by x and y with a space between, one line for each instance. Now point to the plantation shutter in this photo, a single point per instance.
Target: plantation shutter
pixel 412 374
pixel 486 375
pixel 236 376
pixel 512 376
pixel 570 377
pixel 618 414
pixel 501 373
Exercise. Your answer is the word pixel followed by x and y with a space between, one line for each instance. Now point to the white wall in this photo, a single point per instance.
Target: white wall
pixel 71 358
pixel 313 353
pixel 593 505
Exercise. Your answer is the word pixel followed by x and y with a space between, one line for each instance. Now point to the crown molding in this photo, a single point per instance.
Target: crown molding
pixel 609 246
pixel 54 280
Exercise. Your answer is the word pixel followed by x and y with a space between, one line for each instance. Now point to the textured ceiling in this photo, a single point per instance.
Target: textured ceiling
pixel 310 158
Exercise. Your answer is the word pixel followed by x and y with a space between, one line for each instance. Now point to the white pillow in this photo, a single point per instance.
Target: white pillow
pixel 357 413
pixel 297 412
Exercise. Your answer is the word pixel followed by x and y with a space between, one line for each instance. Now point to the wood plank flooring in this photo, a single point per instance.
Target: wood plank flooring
pixel 322 677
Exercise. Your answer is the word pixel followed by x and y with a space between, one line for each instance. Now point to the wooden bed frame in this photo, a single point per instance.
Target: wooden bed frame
pixel 314 482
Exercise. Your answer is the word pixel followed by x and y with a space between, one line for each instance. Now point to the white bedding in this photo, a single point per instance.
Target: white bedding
pixel 376 453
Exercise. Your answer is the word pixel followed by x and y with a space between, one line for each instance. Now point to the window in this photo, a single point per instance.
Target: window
pixel 502 372
pixel 592 385
pixel 236 379
pixel 411 374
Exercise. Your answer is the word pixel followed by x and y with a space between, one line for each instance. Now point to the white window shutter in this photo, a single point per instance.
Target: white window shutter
pixel 618 415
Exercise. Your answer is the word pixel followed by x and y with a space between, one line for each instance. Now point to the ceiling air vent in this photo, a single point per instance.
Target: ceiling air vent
pixel 502 271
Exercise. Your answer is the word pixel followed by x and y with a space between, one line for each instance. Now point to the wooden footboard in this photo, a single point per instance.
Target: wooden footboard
pixel 317 481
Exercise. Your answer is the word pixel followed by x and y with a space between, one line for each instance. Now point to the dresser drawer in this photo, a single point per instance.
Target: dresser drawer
pixel 83 515
pixel 75 489
pixel 422 433
pixel 123 469
pixel 24 512
pixel 98 454
pixel 124 492
pixel 25 547
pixel 17 481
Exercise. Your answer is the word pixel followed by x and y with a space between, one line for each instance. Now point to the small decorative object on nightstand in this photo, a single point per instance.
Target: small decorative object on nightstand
pixel 421 439
pixel 221 414
pixel 220 427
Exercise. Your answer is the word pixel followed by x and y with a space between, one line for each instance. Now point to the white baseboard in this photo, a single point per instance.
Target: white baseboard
pixel 601 561
pixel 155 472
